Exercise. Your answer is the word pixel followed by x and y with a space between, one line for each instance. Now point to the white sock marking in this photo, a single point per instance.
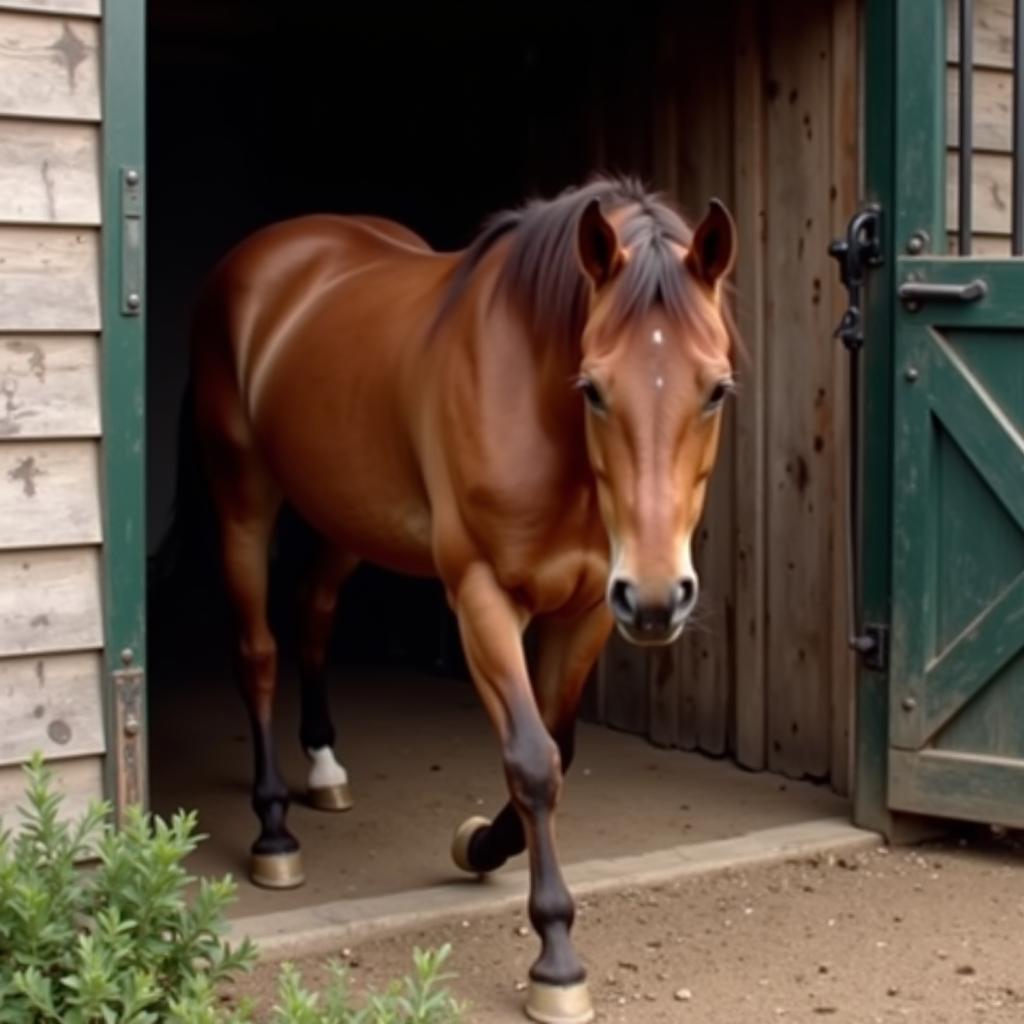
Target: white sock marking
pixel 325 771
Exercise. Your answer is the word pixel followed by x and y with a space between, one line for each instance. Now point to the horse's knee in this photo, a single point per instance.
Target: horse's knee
pixel 533 765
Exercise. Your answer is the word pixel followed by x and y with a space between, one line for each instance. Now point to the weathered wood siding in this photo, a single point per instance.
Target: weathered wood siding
pixel 51 627
pixel 992 155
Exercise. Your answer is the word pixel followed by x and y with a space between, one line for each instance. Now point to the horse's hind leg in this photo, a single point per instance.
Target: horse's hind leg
pixel 247 502
pixel 328 780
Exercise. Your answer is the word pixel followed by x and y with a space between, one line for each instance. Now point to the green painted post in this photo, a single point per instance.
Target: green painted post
pixel 870 806
pixel 123 391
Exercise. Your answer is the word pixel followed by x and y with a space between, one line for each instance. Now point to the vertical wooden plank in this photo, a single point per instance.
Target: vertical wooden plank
pixel 798 326
pixel 623 673
pixel 663 674
pixel 710 136
pixel 750 401
pixel 844 193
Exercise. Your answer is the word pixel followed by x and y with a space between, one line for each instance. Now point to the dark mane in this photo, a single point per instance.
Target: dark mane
pixel 542 272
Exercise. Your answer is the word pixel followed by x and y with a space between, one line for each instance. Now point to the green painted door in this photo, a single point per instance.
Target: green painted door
pixel 956 672
pixel 123 386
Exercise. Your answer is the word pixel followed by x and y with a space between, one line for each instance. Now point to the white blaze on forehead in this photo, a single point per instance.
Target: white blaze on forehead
pixel 658 338
pixel 659 382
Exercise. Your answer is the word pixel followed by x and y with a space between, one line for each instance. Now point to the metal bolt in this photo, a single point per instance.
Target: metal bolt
pixel 131 726
pixel 127 655
pixel 132 177
pixel 133 300
pixel 911 373
pixel 916 243
pixel 909 703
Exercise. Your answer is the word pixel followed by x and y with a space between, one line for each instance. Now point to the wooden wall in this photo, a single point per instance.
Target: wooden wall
pixel 992 162
pixel 50 615
pixel 758 103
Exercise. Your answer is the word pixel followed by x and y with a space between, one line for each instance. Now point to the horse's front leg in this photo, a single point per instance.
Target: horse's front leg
pixel 491 627
pixel 566 652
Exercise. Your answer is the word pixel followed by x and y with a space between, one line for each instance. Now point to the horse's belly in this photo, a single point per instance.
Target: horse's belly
pixel 339 451
pixel 369 514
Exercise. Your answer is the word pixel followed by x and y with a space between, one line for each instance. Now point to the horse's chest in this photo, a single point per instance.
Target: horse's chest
pixel 552 564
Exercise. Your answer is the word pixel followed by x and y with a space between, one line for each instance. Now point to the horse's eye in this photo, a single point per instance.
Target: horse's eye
pixel 718 393
pixel 593 395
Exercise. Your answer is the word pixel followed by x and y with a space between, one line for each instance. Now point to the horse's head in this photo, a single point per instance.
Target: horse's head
pixel 656 369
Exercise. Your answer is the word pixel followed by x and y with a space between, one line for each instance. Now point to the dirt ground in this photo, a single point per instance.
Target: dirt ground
pixel 422 758
pixel 933 933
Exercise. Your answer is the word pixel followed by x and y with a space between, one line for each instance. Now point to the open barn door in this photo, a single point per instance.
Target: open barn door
pixel 123 390
pixel 951 297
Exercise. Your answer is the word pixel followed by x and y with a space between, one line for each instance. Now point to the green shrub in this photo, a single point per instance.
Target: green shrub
pixel 418 998
pixel 114 941
pixel 96 927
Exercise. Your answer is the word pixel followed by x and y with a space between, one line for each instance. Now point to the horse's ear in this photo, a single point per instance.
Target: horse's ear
pixel 597 245
pixel 713 250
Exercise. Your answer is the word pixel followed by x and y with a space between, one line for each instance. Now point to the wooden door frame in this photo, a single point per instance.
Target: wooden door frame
pixel 123 400
pixel 870 799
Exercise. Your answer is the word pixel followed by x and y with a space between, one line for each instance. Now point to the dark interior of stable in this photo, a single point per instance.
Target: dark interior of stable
pixel 437 116
pixel 434 117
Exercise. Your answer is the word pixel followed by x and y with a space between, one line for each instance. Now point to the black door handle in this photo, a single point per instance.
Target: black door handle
pixel 920 291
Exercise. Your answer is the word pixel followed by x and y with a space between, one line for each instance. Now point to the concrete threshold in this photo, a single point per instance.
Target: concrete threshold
pixel 326 927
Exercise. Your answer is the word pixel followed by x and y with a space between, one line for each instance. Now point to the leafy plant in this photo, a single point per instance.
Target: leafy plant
pixel 115 940
pixel 97 927
pixel 418 998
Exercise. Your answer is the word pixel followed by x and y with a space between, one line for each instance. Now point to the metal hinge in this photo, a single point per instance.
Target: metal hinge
pixel 856 254
pixel 873 646
pixel 131 241
pixel 128 745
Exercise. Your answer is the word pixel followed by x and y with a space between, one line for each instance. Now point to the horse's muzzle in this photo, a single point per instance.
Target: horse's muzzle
pixel 652 614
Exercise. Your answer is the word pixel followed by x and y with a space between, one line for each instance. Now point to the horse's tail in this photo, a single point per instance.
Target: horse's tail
pixel 189 540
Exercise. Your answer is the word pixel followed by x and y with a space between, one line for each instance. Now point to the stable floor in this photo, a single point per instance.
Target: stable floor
pixel 421 758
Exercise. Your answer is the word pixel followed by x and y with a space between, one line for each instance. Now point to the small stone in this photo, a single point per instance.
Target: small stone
pixel 892 990
pixel 346 952
pixel 823 968
pixel 966 970
pixel 522 986
pixel 522 931
pixel 682 995
pixel 622 1000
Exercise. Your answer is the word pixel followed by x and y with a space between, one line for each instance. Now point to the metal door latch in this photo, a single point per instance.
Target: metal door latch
pixel 860 250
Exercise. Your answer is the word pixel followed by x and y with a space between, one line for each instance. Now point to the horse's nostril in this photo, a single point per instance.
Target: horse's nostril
pixel 686 593
pixel 623 600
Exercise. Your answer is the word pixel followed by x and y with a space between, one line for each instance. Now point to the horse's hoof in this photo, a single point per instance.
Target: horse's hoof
pixel 276 870
pixel 559 1004
pixel 331 798
pixel 463 837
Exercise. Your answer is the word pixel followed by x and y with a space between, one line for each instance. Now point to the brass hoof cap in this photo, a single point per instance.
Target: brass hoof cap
pixel 331 798
pixel 559 1004
pixel 460 844
pixel 277 870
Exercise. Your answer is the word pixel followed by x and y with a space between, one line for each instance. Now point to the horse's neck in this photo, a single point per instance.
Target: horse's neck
pixel 516 389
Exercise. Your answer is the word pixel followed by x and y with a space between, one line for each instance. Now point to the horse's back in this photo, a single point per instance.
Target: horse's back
pixel 305 334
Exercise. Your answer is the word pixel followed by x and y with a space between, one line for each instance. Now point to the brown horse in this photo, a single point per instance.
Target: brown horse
pixel 533 421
